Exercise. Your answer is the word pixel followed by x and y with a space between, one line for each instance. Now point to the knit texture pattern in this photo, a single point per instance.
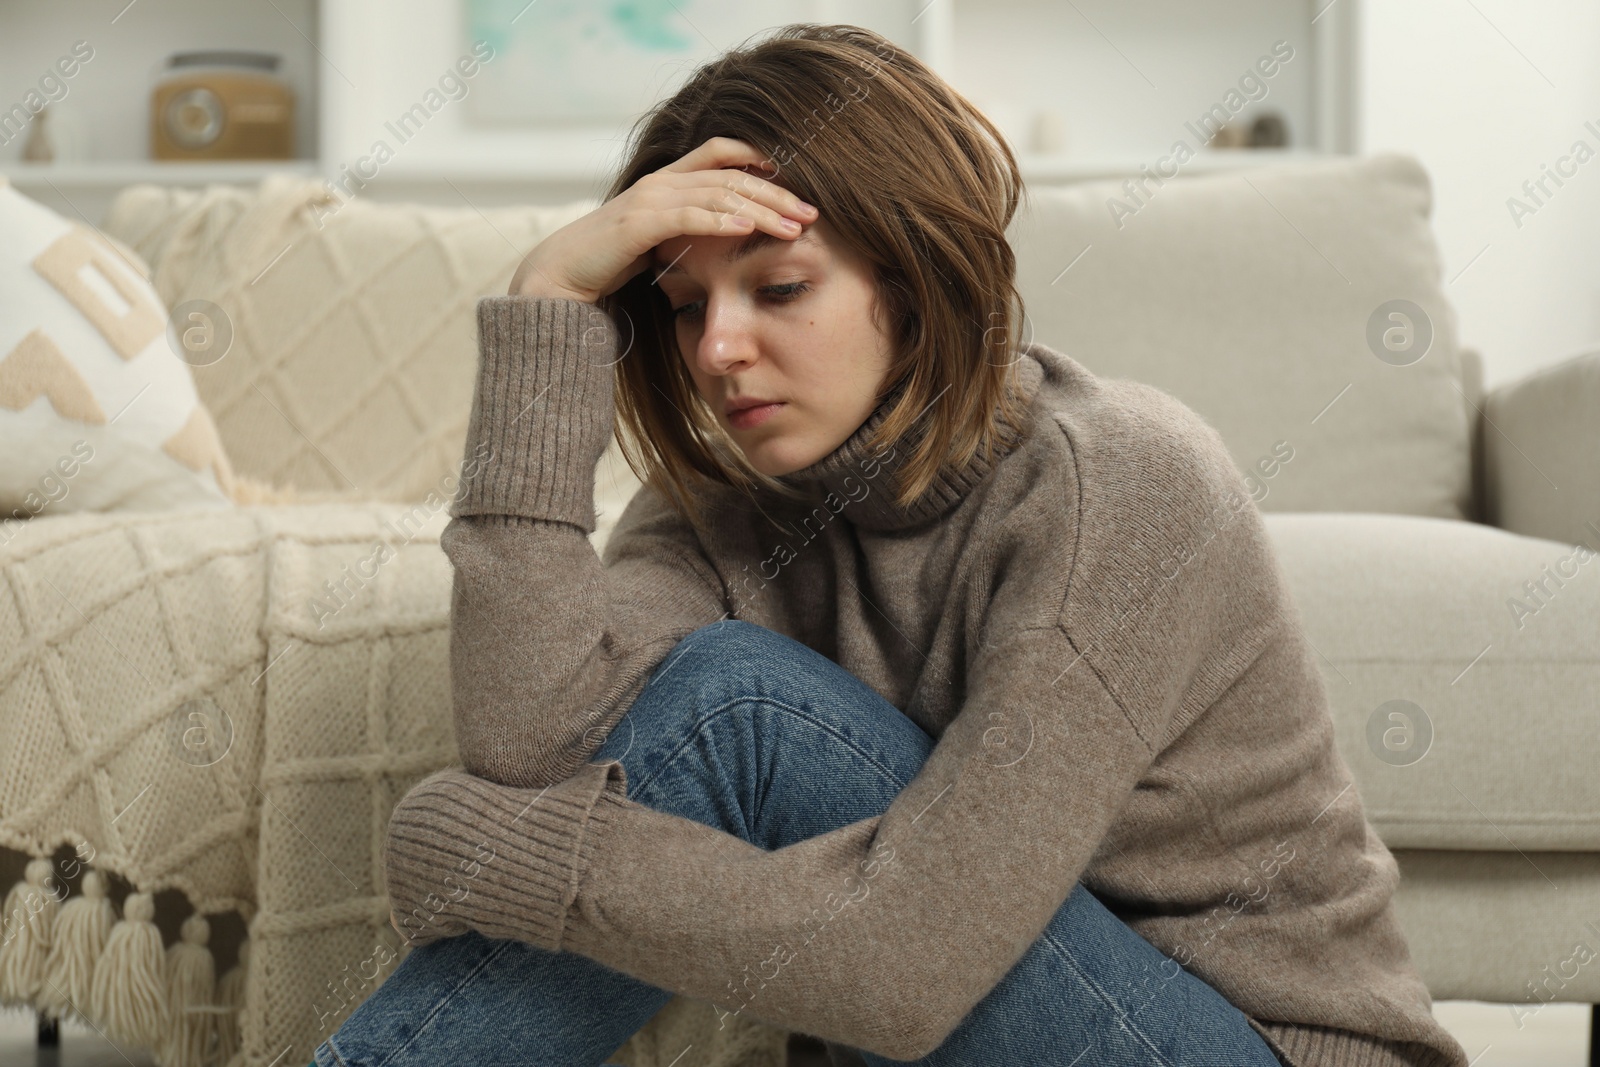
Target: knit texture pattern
pixel 1105 591
pixel 124 632
pixel 310 643
pixel 350 369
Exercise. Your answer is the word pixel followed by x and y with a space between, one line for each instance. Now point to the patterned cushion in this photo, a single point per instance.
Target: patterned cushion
pixel 97 410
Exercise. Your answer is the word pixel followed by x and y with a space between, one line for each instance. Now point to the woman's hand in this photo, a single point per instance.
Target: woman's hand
pixel 427 887
pixel 704 192
pixel 458 856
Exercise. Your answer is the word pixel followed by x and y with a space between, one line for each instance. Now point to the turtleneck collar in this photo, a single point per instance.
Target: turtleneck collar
pixel 866 481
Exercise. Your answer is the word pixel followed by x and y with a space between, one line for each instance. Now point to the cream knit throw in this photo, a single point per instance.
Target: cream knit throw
pixel 124 634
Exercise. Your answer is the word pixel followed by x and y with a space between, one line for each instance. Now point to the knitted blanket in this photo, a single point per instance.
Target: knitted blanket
pixel 229 704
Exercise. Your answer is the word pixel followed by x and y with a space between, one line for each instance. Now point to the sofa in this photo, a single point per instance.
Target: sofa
pixel 1434 533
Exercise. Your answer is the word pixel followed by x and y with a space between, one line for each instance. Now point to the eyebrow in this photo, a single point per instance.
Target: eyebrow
pixel 746 248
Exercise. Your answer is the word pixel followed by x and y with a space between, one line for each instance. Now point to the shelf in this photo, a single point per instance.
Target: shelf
pixel 1038 169
pixel 332 46
pixel 113 174
pixel 1034 166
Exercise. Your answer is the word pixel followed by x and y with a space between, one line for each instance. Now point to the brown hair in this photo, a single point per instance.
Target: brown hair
pixel 907 172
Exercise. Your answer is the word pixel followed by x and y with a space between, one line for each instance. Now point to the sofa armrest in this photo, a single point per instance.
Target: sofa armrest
pixel 1541 452
pixel 1472 397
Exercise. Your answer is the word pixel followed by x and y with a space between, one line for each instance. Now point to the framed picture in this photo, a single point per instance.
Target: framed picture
pixel 566 62
pixel 507 89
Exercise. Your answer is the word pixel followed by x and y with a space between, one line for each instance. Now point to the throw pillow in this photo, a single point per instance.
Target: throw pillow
pixel 354 328
pixel 98 411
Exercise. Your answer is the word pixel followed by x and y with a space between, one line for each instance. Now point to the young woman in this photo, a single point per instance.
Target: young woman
pixel 935 696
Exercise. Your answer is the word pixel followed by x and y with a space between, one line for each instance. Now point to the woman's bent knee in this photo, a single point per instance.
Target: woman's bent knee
pixel 732 657
pixel 748 730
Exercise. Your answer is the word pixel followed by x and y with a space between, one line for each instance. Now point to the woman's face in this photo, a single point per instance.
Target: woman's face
pixel 789 322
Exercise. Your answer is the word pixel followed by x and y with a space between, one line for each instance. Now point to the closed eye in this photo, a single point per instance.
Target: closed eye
pixel 778 294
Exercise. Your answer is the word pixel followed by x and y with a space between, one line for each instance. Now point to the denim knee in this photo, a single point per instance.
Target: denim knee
pixel 739 634
pixel 733 652
pixel 733 662
pixel 751 731
pixel 733 659
pixel 730 666
pixel 702 672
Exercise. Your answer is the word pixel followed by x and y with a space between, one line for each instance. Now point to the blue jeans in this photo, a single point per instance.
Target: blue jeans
pixel 749 731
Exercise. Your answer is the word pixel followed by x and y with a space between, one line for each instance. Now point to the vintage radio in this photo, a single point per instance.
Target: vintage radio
pixel 221 105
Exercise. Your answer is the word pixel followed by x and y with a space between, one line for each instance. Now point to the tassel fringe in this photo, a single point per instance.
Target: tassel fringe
pixel 74 958
pixel 82 929
pixel 30 914
pixel 230 993
pixel 128 994
pixel 191 989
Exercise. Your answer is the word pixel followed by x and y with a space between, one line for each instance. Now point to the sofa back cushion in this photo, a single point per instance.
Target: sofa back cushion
pixel 353 357
pixel 1262 298
pixel 1297 307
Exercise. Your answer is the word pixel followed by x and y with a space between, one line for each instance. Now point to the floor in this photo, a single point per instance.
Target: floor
pixel 1555 1035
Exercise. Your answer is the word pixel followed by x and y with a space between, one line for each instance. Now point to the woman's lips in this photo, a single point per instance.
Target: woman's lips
pixel 745 418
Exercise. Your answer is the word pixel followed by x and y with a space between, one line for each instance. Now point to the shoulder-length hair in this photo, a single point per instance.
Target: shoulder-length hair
pixel 909 174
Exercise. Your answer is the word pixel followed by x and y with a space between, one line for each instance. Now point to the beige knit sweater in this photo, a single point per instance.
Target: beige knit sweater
pixel 1106 591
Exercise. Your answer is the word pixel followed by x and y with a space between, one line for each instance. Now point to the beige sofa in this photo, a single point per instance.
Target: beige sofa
pixel 1299 307
pixel 1427 530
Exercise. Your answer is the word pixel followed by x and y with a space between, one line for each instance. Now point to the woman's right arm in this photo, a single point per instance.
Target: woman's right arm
pixel 548 647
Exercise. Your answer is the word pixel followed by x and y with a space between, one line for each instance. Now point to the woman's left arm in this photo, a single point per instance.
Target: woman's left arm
pixel 882 934
pixel 1155 592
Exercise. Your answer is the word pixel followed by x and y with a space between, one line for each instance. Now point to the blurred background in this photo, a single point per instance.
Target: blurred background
pixel 1488 94
pixel 495 104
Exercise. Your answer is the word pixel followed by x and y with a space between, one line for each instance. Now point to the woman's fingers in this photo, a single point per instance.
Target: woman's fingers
pixel 710 190
pixel 737 212
pixel 717 163
pixel 717 152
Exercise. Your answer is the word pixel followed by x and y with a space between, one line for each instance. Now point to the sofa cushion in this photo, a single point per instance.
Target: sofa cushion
pixel 98 411
pixel 1491 926
pixel 354 353
pixel 1541 460
pixel 1261 298
pixel 1461 671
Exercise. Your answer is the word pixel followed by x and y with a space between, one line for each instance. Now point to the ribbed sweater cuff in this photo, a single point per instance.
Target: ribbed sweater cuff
pixel 1307 1043
pixel 463 852
pixel 542 411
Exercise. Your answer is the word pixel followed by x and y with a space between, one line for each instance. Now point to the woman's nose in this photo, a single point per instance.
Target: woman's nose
pixel 727 339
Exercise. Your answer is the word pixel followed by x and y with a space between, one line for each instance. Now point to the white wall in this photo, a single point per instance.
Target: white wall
pixel 1483 93
pixel 1125 77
